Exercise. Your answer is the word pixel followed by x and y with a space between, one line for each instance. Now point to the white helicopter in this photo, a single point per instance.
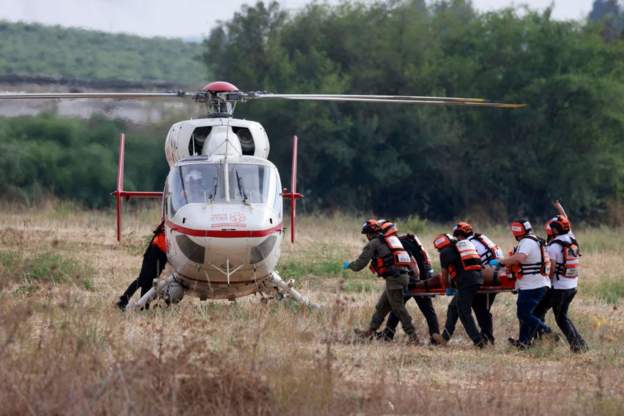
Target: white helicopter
pixel 222 199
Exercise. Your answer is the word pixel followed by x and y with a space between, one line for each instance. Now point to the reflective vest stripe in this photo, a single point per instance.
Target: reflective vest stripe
pixel 570 252
pixel 468 255
pixel 492 249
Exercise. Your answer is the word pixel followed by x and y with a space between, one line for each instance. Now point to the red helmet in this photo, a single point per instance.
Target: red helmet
pixel 388 228
pixel 560 224
pixel 371 227
pixel 520 228
pixel 442 241
pixel 462 228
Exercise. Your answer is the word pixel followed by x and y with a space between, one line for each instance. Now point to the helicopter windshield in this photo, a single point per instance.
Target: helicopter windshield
pixel 196 183
pixel 204 183
pixel 248 183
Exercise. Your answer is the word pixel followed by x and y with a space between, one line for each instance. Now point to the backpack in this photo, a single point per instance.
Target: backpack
pixel 412 244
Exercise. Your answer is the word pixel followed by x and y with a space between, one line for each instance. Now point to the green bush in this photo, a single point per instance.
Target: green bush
pixel 74 159
pixel 436 162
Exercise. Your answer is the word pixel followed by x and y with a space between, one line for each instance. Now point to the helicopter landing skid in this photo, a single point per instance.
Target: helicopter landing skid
pixel 158 290
pixel 285 289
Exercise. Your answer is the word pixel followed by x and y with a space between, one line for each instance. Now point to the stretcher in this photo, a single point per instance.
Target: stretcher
pixel 493 282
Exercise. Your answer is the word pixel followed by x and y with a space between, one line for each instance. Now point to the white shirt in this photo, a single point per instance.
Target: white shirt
pixel 555 251
pixel 483 250
pixel 531 281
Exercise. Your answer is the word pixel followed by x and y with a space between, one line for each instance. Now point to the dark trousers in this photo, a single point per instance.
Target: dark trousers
pixel 529 322
pixel 481 306
pixel 461 308
pixel 154 261
pixel 425 304
pixel 391 300
pixel 559 300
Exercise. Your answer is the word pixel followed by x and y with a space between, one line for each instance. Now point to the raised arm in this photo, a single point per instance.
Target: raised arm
pixel 559 208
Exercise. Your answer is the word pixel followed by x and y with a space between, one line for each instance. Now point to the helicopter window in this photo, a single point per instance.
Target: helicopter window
pixel 246 140
pixel 196 183
pixel 278 203
pixel 198 138
pixel 248 183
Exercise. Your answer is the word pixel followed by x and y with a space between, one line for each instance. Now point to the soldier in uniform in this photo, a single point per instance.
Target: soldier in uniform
pixel 389 260
pixel 425 303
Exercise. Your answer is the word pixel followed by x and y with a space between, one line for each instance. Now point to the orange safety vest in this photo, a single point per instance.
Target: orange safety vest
pixel 468 256
pixel 397 258
pixel 492 248
pixel 569 268
pixel 542 267
pixel 160 241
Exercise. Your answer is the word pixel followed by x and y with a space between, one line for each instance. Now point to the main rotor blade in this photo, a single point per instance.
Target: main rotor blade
pixel 477 102
pixel 79 95
pixel 372 96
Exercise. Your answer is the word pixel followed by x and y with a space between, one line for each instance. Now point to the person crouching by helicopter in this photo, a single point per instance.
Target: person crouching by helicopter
pixel 389 260
pixel 564 253
pixel 487 251
pixel 154 261
pixel 460 262
pixel 529 264
pixel 414 247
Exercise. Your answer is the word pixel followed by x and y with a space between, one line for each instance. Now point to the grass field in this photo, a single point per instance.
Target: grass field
pixel 67 350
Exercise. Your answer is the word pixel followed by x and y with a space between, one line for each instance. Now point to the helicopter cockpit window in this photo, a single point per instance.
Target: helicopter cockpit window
pixel 196 183
pixel 248 183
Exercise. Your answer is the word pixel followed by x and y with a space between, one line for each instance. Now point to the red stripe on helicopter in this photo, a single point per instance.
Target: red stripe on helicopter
pixel 224 233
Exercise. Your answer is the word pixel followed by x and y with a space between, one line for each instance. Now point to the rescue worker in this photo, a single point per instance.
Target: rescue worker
pixel 154 261
pixel 460 262
pixel 564 253
pixel 415 248
pixel 529 264
pixel 389 260
pixel 487 251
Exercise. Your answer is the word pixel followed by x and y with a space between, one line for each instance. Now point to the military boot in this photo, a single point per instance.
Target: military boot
pixel 122 303
pixel 439 339
pixel 386 335
pixel 364 334
pixel 481 344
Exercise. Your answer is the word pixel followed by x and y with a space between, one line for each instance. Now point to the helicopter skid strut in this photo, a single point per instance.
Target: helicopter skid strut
pixel 151 294
pixel 273 283
pixel 285 288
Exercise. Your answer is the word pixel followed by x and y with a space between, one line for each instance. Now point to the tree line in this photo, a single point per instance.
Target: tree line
pixel 390 159
pixel 76 159
pixel 53 51
pixel 438 162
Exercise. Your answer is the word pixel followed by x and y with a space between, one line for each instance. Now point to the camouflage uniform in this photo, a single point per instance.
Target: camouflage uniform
pixel 396 282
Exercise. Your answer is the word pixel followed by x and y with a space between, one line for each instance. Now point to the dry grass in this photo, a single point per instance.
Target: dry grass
pixel 66 350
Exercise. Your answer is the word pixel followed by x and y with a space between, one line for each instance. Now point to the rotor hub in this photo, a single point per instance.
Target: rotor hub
pixel 221 98
pixel 219 86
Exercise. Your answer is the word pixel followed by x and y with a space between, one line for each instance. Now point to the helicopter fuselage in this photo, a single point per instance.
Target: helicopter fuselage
pixel 222 206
